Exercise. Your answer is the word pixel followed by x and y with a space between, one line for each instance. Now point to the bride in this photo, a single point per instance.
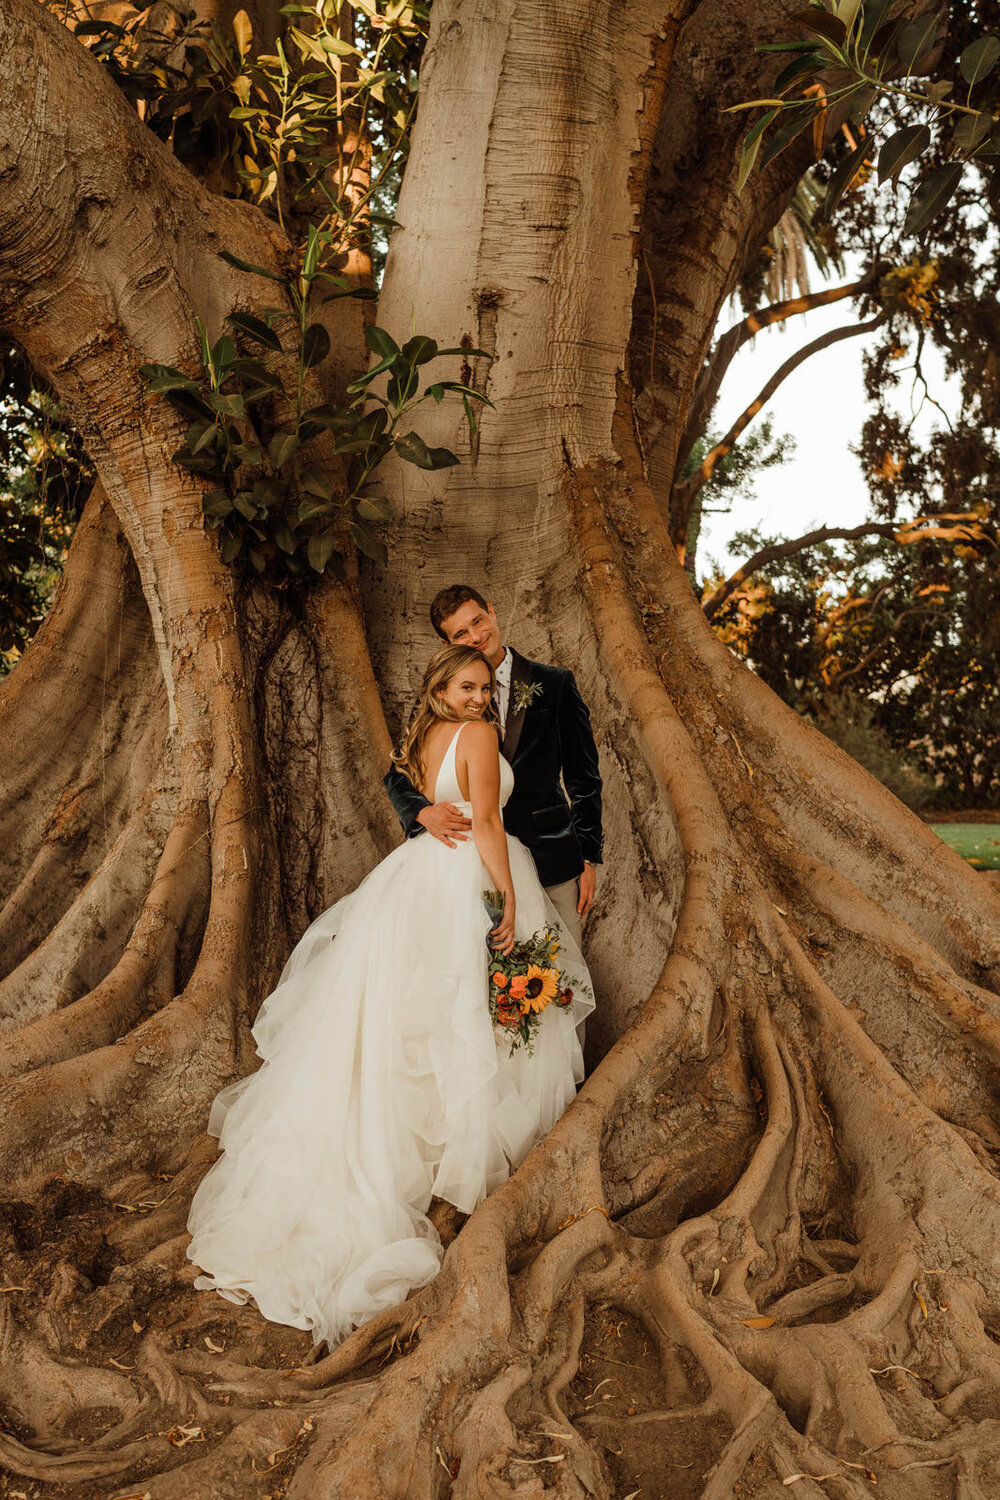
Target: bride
pixel 384 1083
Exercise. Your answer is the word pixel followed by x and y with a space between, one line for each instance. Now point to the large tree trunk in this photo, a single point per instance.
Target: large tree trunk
pixel 763 1240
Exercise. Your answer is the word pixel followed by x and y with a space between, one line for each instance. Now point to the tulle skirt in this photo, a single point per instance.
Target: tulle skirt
pixel 383 1085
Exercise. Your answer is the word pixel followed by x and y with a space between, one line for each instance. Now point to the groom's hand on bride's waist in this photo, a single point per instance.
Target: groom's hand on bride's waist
pixel 444 821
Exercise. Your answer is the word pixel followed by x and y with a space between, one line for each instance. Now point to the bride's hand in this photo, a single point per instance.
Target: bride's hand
pixel 502 936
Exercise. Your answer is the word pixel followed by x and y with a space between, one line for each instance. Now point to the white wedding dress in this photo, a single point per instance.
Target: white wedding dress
pixel 383 1085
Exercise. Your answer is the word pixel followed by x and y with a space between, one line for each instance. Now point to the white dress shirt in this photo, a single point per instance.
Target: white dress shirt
pixel 501 697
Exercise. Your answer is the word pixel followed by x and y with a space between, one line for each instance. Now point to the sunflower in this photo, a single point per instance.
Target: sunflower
pixel 541 987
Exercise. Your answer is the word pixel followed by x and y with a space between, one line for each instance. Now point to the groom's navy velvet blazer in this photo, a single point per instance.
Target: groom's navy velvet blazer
pixel 547 738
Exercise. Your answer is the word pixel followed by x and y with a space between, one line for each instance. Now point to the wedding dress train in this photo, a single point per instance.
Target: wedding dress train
pixel 383 1085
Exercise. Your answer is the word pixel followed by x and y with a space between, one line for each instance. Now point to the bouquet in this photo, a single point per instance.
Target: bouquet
pixel 523 982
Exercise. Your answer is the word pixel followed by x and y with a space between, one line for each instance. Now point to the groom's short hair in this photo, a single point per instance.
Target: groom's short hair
pixel 446 601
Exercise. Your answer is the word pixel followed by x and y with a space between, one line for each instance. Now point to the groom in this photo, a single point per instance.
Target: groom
pixel 545 734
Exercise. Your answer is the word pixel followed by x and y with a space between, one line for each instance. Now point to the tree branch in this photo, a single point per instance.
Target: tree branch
pixel 685 493
pixel 778 550
pixel 732 341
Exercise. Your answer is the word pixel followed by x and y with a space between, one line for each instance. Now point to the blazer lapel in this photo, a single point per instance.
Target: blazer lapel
pixel 515 717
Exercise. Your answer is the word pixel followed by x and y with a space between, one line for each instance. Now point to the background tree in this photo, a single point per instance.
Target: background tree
pixel 775 1198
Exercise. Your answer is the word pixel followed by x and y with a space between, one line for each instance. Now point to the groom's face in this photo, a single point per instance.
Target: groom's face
pixel 472 625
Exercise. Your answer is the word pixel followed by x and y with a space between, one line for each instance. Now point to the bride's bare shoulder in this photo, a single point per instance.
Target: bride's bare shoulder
pixel 479 740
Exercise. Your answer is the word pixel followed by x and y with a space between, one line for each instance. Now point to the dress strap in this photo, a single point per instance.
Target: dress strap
pixel 448 760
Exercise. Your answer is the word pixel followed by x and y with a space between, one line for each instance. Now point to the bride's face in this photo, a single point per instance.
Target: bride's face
pixel 467 694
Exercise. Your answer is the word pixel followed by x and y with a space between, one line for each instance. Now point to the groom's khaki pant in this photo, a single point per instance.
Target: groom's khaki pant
pixel 564 898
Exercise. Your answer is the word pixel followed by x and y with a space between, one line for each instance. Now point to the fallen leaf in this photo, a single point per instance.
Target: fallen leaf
pixel 119 1366
pixel 136 1327
pixel 180 1436
pixel 715 1281
pixel 817 1478
pixel 923 1304
pixel 214 1348
pixel 760 1322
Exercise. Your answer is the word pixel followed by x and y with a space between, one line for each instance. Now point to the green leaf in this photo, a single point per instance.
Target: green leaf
pixel 315 483
pixel 283 535
pixel 223 352
pixel 809 62
pixel 785 47
pixel 979 59
pixel 256 329
pixel 369 376
pixel 230 546
pixel 374 508
pixel 257 559
pixel 748 155
pixel 786 135
pixel 419 349
pixel 163 378
pixel 971 130
pixel 320 549
pixel 829 27
pixel 315 346
pixel 380 342
pixel 845 173
pixel 245 504
pixel 481 353
pixel 247 265
pixel 363 293
pixel 931 195
pixel 208 435
pixel 414 450
pixel 282 447
pixel 311 508
pixel 874 11
pixel 230 406
pixel 902 148
pixel 915 39
pixel 216 503
pixel 437 391
pixel 99 28
pixel 367 542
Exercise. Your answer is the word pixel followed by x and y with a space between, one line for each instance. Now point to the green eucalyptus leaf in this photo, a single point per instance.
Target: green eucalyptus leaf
pixel 217 504
pixel 282 447
pixel 419 349
pixel 247 265
pixel 223 352
pixel 979 59
pixel 315 346
pixel 931 195
pixel 829 27
pixel 411 447
pixel 363 293
pixel 971 130
pixel 374 508
pixel 320 549
pixel 786 135
pixel 315 483
pixel 902 148
pixel 380 342
pixel 311 508
pixel 257 329
pixel 915 39
pixel 367 542
pixel 245 504
pixel 230 546
pixel 283 536
pixel 844 174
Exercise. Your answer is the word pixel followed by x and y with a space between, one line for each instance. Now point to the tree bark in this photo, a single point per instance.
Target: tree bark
pixel 774 1199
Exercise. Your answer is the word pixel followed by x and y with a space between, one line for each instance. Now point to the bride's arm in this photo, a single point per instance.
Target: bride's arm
pixel 481 751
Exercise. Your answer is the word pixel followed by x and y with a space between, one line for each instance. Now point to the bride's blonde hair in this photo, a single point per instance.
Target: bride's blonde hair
pixel 431 707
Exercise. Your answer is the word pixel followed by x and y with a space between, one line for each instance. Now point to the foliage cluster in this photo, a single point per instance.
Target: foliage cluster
pixel 857 53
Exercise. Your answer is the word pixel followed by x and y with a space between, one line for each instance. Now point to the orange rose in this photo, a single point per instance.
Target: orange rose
pixel 499 980
pixel 518 987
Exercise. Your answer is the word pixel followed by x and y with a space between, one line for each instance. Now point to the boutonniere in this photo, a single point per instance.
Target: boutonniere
pixel 525 693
